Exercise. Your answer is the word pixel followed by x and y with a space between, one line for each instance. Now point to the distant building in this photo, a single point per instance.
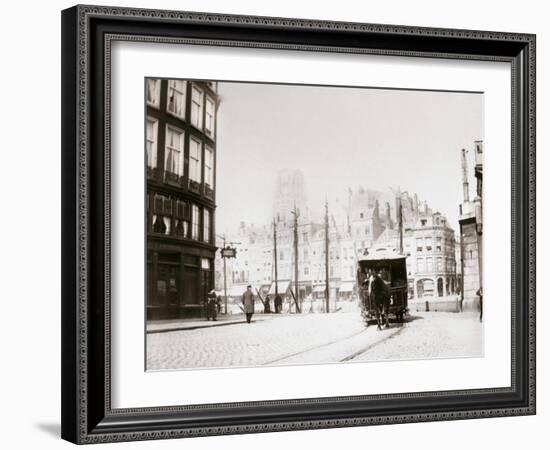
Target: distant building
pixel 356 224
pixel 429 246
pixel 289 192
pixel 365 221
pixel 471 232
pixel 431 257
pixel 181 156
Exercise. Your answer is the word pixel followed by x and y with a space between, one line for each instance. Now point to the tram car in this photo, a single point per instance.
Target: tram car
pixel 391 266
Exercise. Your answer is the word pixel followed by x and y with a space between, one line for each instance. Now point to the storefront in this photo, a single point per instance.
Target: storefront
pixel 178 282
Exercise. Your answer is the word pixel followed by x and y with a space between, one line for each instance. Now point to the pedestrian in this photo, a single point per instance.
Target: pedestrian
pixel 267 306
pixel 248 303
pixel 479 293
pixel 211 305
pixel 310 299
pixel 278 303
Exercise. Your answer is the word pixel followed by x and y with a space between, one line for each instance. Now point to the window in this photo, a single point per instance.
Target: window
pixel 206 226
pixel 306 270
pixel 196 107
pixel 182 219
pixel 195 160
pixel 439 263
pixel 173 155
pixel 420 264
pixel 152 87
pixel 176 98
pixel 438 244
pixel 428 243
pixel 162 214
pixel 209 166
pixel 210 117
pixel 195 222
pixel 151 142
pixel 306 253
pixel 418 244
pixel 429 265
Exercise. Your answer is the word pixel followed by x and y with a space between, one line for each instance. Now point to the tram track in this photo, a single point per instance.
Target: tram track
pixel 340 350
pixel 370 347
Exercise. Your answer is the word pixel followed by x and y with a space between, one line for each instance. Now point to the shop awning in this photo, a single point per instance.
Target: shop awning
pixel 320 288
pixel 282 288
pixel 347 286
pixel 237 290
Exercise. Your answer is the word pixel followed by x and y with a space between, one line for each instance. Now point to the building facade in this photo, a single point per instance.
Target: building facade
pixel 471 232
pixel 431 257
pixel 357 224
pixel 180 205
pixel 429 245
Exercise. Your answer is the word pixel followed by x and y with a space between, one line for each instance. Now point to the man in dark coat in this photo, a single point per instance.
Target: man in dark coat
pixel 278 303
pixel 267 305
pixel 248 303
pixel 211 305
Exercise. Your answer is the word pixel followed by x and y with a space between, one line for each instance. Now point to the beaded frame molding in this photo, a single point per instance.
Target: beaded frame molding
pixel 87 35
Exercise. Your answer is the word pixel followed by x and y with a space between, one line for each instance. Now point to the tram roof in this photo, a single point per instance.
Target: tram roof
pixel 381 255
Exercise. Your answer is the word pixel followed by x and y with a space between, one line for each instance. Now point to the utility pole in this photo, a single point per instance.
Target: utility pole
pixel 296 214
pixel 400 226
pixel 224 282
pixel 399 216
pixel 275 257
pixel 327 288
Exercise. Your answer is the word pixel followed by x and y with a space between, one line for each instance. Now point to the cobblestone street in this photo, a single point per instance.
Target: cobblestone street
pixel 432 335
pixel 315 338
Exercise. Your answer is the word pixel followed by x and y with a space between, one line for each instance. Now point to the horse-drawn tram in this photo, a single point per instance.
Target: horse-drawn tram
pixel 382 282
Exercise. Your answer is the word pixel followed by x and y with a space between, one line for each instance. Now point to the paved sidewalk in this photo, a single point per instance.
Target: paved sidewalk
pixel 163 326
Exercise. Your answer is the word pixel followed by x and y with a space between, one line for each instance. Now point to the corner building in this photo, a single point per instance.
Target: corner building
pixel 181 192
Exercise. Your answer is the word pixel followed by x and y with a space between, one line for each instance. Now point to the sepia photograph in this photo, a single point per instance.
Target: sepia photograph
pixel 292 224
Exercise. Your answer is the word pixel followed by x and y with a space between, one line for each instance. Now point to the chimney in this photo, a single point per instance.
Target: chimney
pixel 388 216
pixel 465 185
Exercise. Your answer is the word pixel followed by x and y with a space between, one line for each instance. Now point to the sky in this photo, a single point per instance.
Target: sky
pixel 340 137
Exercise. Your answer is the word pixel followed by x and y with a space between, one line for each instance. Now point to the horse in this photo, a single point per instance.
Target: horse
pixel 380 294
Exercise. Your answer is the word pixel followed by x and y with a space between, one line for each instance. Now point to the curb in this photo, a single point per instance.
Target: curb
pixel 194 327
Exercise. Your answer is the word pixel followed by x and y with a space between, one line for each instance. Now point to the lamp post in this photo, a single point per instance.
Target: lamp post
pixel 227 252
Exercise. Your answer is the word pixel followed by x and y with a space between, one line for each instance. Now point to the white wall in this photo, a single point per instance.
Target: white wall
pixel 30 233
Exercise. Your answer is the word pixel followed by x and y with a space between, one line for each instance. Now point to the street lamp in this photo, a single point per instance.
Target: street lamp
pixel 226 252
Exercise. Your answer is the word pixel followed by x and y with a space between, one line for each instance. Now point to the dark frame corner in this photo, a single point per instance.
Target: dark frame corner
pixel 87 32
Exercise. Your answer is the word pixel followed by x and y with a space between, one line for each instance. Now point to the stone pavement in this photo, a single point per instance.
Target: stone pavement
pixel 266 339
pixel 315 338
pixel 432 335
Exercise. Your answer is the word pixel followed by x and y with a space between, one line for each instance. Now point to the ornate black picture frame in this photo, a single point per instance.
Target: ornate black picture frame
pixel 87 35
